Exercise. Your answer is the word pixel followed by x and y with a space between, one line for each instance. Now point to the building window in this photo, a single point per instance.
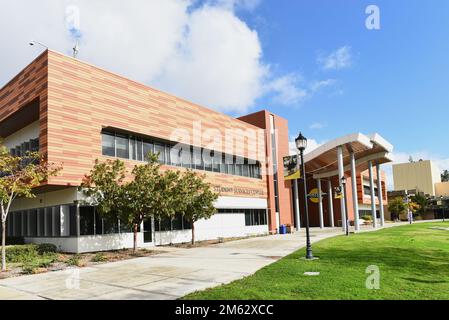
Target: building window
pixel 187 156
pixel 178 222
pixel 87 221
pixel 108 144
pixel 148 147
pixel 367 191
pixel 253 217
pixel 159 150
pixel 122 146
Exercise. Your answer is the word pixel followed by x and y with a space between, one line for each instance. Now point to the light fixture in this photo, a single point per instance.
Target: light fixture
pixel 301 142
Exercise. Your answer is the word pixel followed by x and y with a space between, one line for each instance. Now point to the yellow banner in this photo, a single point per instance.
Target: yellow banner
pixel 294 176
pixel 291 171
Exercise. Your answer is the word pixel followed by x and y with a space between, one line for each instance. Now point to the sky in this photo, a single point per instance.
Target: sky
pixel 314 62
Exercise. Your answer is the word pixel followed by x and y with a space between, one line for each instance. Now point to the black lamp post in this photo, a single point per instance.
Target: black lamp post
pixel 301 144
pixel 343 185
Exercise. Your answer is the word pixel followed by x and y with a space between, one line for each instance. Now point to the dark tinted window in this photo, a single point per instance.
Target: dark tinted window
pixel 108 144
pixel 122 146
pixel 87 220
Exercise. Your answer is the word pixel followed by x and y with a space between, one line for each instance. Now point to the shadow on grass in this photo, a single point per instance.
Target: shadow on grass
pixel 421 260
pixel 424 281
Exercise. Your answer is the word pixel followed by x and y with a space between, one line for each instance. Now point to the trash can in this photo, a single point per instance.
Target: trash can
pixel 282 229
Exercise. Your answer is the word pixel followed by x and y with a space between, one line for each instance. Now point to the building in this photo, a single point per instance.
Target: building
pixel 420 175
pixel 74 113
pixel 358 158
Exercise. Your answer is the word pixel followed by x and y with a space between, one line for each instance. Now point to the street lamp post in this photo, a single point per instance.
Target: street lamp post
pixel 343 185
pixel 301 145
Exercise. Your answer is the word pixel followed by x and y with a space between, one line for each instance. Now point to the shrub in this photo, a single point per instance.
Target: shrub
pixel 46 248
pixel 19 254
pixel 74 260
pixel 367 218
pixel 99 257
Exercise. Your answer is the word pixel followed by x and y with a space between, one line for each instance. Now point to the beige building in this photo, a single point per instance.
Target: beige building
pixel 422 175
pixel 442 189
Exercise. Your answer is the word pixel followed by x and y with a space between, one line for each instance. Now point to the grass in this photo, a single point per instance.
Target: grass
pixel 413 261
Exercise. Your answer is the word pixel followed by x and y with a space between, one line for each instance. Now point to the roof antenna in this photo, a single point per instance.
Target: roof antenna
pixel 76 49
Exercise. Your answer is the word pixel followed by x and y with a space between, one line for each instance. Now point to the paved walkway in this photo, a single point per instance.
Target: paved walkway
pixel 168 275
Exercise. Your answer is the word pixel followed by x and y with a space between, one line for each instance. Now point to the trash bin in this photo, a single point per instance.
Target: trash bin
pixel 282 229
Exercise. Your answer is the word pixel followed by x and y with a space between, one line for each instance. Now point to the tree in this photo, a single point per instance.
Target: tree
pixel 18 177
pixel 196 198
pixel 418 204
pixel 129 201
pixel 445 176
pixel 396 206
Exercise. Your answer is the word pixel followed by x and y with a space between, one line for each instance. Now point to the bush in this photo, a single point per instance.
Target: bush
pixel 30 256
pixel 99 257
pixel 19 254
pixel 38 263
pixel 46 248
pixel 74 260
pixel 367 218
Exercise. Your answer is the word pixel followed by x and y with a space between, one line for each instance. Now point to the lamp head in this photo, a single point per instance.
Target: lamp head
pixel 301 142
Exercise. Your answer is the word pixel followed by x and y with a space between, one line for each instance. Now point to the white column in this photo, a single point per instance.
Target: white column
pixel 373 199
pixel 320 204
pixel 355 198
pixel 379 196
pixel 330 203
pixel 341 172
pixel 295 194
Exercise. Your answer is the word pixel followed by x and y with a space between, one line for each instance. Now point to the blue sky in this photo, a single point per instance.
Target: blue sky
pixel 397 83
pixel 311 61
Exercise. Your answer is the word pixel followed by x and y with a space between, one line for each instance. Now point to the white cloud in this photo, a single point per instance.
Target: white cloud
pixel 339 59
pixel 318 85
pixel 317 125
pixel 201 52
pixel 286 90
pixel 312 144
pixel 402 157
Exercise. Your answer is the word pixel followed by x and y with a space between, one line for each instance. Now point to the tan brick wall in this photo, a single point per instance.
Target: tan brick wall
pixel 83 99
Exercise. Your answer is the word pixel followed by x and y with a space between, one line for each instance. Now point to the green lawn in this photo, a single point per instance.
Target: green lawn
pixel 413 262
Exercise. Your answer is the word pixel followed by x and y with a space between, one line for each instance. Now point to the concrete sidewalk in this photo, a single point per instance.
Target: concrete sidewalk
pixel 169 275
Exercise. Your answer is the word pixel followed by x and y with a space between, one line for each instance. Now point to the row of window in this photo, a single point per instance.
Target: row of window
pixel 367 190
pixel 61 221
pixel 178 222
pixel 253 217
pixel 28 146
pixel 136 148
pixel 42 222
pixel 363 213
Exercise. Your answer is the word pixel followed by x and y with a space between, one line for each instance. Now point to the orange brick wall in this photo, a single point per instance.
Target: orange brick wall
pixel 262 120
pixel 77 100
pixel 28 86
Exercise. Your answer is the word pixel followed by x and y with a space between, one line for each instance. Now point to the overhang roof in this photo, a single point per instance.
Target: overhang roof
pixel 322 162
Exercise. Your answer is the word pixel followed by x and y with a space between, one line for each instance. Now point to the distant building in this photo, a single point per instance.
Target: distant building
pixel 442 189
pixel 420 175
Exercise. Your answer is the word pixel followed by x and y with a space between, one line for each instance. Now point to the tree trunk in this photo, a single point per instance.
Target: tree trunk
pixel 3 246
pixel 135 238
pixel 193 233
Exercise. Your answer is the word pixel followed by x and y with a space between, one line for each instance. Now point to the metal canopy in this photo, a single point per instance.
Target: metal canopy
pixel 322 162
